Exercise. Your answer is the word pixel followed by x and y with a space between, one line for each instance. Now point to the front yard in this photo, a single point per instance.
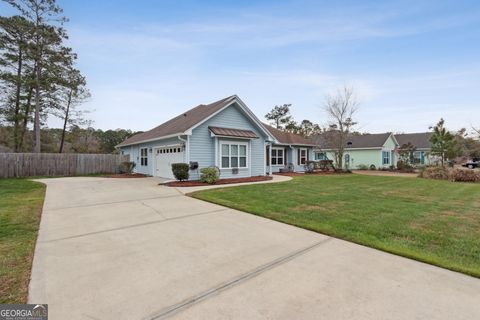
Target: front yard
pixel 20 207
pixel 437 222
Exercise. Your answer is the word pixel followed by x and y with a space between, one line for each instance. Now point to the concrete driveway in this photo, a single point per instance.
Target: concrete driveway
pixel 130 249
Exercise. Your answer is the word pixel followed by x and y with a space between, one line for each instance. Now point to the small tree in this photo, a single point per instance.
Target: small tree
pixel 279 116
pixel 444 143
pixel 405 155
pixel 340 108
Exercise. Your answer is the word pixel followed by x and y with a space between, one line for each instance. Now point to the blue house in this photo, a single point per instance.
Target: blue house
pixel 225 134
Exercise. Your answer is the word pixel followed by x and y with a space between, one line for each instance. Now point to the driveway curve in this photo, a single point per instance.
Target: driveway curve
pixel 131 249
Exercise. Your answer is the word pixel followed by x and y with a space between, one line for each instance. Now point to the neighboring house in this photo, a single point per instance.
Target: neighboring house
pixel 422 144
pixel 225 134
pixel 366 149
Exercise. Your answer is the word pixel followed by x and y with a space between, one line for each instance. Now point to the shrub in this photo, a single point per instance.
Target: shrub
pixel 372 167
pixel 209 175
pixel 404 166
pixel 127 167
pixel 439 173
pixel 362 167
pixel 463 175
pixel 180 171
pixel 310 166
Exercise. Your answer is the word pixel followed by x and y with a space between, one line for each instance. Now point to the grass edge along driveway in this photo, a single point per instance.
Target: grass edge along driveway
pixel 21 203
pixel 436 222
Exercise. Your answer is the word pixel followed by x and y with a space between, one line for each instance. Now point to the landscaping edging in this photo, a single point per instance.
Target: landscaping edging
pixel 197 183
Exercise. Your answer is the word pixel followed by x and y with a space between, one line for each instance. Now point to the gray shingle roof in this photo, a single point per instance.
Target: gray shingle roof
pixel 377 140
pixel 180 123
pixel 420 140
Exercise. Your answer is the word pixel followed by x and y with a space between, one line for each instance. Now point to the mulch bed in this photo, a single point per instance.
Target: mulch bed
pixel 126 175
pixel 296 174
pixel 197 183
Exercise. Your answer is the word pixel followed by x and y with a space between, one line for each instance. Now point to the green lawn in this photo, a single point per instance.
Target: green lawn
pixel 437 222
pixel 20 207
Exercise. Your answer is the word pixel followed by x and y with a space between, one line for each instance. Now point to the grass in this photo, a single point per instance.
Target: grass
pixel 437 222
pixel 21 203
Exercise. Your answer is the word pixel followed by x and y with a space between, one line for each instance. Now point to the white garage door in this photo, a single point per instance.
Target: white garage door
pixel 164 157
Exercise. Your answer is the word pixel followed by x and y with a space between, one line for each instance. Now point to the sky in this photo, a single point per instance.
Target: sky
pixel 409 62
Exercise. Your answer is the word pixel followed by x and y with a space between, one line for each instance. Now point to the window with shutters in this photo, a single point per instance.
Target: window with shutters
pixel 303 156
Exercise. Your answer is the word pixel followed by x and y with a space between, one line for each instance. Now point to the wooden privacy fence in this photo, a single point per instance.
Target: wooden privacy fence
pixel 57 164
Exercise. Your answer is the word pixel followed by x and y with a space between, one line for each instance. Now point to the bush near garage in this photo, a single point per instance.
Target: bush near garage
pixel 180 171
pixel 209 175
pixel 127 167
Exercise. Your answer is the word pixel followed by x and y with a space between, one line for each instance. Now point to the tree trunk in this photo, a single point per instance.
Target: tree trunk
pixel 65 121
pixel 25 117
pixel 17 100
pixel 38 74
pixel 36 121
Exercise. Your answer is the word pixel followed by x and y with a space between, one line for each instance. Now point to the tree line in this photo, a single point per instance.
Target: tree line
pixel 74 140
pixel 38 75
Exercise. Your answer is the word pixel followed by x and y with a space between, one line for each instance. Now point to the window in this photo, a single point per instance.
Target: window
pixel 277 156
pixel 386 157
pixel 418 157
pixel 144 156
pixel 320 156
pixel 233 155
pixel 303 156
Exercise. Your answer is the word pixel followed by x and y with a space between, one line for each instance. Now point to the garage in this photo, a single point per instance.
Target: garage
pixel 164 157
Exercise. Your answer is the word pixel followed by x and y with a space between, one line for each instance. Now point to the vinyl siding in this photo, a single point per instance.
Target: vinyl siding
pixel 202 145
pixel 134 153
pixel 292 154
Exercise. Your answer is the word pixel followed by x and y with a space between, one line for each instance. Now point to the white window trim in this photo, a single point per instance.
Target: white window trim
pixel 239 143
pixel 389 157
pixel 306 156
pixel 315 155
pixel 283 157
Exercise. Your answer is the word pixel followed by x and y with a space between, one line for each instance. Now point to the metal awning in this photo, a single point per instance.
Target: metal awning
pixel 231 132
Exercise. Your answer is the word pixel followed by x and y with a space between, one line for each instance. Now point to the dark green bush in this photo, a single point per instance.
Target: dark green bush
pixel 180 171
pixel 372 167
pixel 362 167
pixel 209 175
pixel 127 167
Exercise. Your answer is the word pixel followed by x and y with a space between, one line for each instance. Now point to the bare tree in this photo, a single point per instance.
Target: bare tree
pixel 477 130
pixel 340 108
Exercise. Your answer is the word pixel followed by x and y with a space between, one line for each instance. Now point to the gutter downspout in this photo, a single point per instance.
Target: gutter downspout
pixel 187 148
